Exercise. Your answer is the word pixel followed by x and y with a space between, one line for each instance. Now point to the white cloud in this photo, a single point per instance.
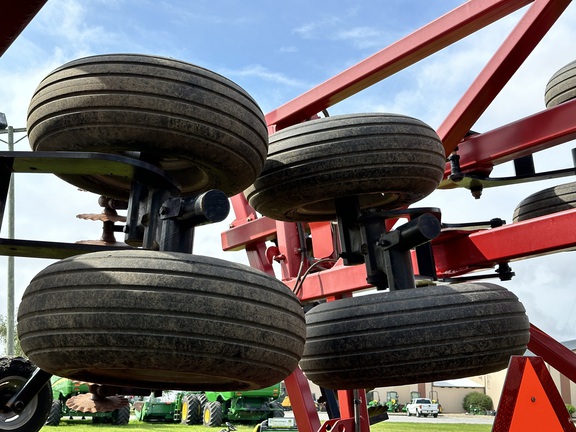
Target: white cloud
pixel 264 73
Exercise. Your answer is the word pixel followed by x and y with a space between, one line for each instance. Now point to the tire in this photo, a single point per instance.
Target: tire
pixel 414 335
pixel 55 414
pixel 435 415
pixel 418 414
pixel 562 86
pixel 203 400
pixel 127 309
pixel 277 409
pixel 200 127
pixel 408 413
pixel 386 160
pixel 194 411
pixel 14 372
pixel 212 414
pixel 121 416
pixel 548 201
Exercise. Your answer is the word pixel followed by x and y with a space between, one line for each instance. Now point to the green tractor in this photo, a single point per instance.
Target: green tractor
pixel 251 406
pixel 155 408
pixel 392 401
pixel 75 399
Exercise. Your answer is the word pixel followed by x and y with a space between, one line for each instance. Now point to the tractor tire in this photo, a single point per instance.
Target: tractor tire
pixel 547 201
pixel 386 160
pixel 277 409
pixel 193 414
pixel 413 335
pixel 55 414
pixel 203 400
pixel 198 126
pixel 562 86
pixel 212 416
pixel 161 320
pixel 14 373
pixel 121 416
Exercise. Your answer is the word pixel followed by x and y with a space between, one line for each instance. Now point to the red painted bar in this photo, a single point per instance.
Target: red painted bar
pixel 302 403
pixel 451 27
pixel 507 59
pixel 457 254
pixel 531 134
pixel 553 352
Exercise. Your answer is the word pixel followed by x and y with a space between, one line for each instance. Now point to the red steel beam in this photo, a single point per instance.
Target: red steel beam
pixel 302 403
pixel 507 59
pixel 553 352
pixel 16 15
pixel 459 253
pixel 531 134
pixel 453 26
pixel 456 254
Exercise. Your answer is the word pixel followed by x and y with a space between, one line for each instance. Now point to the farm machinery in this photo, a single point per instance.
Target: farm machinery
pixel 212 408
pixel 69 400
pixel 156 409
pixel 336 195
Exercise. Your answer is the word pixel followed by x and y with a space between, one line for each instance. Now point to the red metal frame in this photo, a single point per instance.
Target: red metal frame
pixel 16 16
pixel 455 252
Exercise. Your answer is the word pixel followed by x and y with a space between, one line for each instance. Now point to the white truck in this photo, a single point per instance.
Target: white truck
pixel 422 407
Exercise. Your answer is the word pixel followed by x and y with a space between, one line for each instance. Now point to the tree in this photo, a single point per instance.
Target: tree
pixel 476 402
pixel 4 336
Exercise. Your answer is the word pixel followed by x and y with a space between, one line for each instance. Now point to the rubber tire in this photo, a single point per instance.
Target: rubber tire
pixel 547 201
pixel 194 412
pixel 55 414
pixel 161 320
pixel 202 128
pixel 212 416
pixel 386 160
pixel 562 86
pixel 121 416
pixel 414 335
pixel 14 372
pixel 408 413
pixel 277 409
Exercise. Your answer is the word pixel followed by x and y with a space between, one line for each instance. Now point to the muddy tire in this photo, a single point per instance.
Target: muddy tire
pixel 14 372
pixel 112 317
pixel 414 335
pixel 386 160
pixel 547 201
pixel 562 86
pixel 202 128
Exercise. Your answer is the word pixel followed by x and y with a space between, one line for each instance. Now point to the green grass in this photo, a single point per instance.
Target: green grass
pixel 87 426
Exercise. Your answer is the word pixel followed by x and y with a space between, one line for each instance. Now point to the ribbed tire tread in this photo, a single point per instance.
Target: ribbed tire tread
pixel 161 320
pixel 413 336
pixel 547 201
pixel 387 160
pixel 562 86
pixel 202 128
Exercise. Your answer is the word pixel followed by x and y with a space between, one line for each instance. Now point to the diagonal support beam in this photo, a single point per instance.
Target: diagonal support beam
pixel 505 62
pixel 451 27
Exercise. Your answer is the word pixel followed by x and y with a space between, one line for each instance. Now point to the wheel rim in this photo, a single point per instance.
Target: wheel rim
pixel 9 420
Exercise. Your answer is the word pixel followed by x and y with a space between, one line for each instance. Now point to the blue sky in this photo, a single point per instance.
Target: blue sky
pixel 276 51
